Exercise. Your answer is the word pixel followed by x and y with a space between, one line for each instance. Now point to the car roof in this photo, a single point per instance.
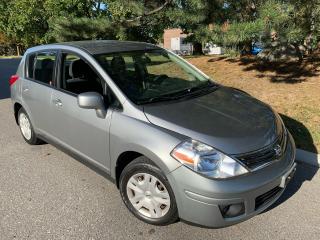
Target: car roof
pixel 95 47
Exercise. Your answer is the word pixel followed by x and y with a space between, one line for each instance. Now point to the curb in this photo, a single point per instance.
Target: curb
pixel 309 158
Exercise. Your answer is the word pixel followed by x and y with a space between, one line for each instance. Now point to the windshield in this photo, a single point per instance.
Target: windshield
pixel 154 75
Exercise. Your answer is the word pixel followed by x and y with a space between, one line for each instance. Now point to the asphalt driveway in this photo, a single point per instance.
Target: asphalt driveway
pixel 46 194
pixel 8 67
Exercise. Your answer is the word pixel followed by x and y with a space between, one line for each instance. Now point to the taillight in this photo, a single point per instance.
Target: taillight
pixel 13 79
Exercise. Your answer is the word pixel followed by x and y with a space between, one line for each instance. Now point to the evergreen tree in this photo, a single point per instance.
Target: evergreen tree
pixel 291 22
pixel 230 23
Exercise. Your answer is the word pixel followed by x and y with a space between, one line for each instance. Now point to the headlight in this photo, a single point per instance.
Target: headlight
pixel 206 160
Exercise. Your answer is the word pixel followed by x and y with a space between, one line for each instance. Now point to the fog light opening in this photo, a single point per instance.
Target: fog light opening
pixel 232 210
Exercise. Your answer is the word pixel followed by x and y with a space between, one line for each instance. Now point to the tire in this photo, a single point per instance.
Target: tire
pixel 139 171
pixel 26 128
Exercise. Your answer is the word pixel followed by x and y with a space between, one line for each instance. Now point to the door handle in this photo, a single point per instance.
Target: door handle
pixel 57 102
pixel 25 89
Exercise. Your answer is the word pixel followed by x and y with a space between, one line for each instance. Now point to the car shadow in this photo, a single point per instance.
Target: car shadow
pixel 300 133
pixel 304 172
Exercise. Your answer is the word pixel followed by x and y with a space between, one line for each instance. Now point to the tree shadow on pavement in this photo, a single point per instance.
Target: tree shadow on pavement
pixel 304 172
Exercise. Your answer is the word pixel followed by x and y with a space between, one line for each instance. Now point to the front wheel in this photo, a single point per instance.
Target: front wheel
pixel 147 193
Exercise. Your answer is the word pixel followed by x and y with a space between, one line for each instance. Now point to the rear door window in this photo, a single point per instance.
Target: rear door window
pixel 41 67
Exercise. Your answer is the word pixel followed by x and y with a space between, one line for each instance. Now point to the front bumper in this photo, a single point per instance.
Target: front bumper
pixel 198 198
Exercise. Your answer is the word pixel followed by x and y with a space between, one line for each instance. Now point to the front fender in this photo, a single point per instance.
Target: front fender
pixel 156 143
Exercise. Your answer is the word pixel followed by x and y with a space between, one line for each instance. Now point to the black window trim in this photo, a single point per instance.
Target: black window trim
pixel 59 72
pixel 54 75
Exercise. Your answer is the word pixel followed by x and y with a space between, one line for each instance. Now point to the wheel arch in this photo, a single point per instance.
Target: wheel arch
pixel 16 107
pixel 128 156
pixel 123 160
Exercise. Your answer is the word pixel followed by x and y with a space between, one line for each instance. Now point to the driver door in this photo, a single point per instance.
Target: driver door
pixel 80 130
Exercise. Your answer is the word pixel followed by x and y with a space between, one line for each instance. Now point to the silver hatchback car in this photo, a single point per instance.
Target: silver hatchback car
pixel 176 144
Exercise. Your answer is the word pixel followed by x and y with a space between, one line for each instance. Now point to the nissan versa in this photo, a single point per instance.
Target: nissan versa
pixel 177 144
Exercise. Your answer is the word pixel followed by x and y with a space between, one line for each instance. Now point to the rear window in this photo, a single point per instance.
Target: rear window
pixel 41 66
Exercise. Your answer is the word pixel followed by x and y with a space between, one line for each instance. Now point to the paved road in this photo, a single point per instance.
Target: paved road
pixel 46 194
pixel 8 67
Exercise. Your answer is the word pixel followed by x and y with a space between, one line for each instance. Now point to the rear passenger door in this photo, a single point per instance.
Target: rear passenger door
pixel 37 87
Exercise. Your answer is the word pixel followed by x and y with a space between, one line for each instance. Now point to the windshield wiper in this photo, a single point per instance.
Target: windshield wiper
pixel 203 87
pixel 157 99
pixel 207 85
pixel 181 94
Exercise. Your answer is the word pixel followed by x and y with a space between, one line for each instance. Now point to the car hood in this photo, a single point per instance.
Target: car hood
pixel 227 119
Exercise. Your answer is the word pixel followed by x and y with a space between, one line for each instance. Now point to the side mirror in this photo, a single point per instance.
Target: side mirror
pixel 92 100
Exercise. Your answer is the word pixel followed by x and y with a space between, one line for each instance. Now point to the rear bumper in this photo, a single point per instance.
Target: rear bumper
pixel 198 198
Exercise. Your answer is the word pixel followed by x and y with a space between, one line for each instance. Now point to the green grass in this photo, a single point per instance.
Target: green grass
pixel 6 57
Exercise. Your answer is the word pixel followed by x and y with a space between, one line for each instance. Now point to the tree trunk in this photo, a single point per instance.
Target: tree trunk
pixel 197 48
pixel 308 43
pixel 18 49
pixel 299 53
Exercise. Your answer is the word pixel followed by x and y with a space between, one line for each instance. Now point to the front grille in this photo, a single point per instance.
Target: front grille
pixel 267 197
pixel 266 155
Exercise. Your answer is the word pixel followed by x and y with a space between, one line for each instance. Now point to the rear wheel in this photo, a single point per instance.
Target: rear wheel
pixel 147 193
pixel 26 128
